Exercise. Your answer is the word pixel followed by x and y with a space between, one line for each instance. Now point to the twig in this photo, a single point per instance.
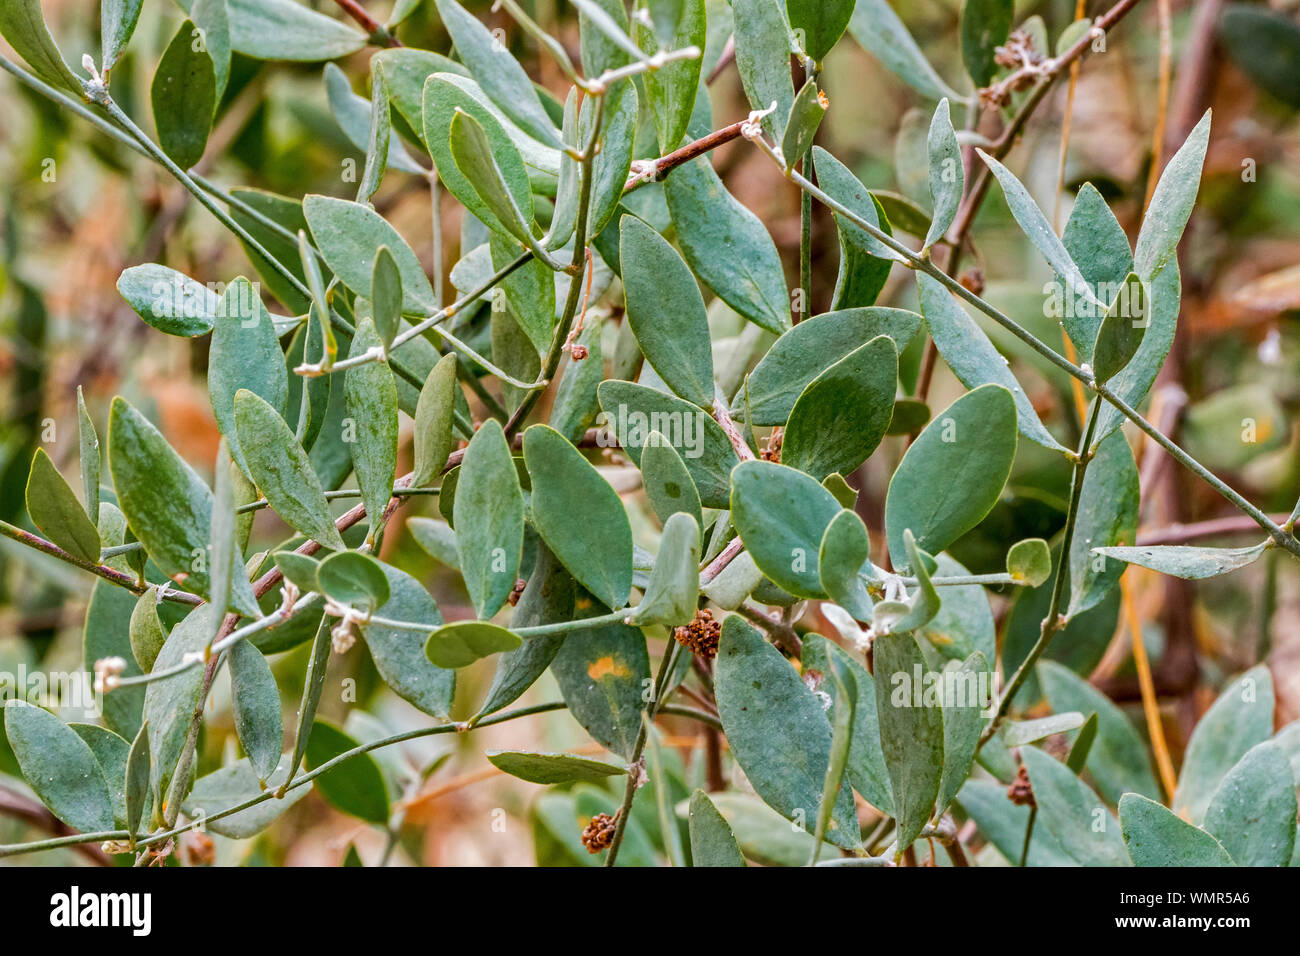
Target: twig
pixel 377 32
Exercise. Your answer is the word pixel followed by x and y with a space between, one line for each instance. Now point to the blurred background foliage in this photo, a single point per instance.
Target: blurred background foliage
pixel 77 208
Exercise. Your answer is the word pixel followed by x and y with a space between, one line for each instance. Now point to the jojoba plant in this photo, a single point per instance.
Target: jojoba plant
pixel 659 489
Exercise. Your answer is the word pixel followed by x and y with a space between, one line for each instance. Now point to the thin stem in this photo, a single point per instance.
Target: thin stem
pixel 1029 835
pixel 1054 620
pixel 269 794
pixel 377 32
pixel 634 777
pixel 111 575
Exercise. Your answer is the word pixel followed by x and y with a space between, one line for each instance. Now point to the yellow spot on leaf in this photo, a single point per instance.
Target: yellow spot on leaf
pixel 606 667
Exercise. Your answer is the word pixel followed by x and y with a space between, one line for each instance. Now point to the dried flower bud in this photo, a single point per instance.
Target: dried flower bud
pixel 108 673
pixel 517 592
pixel 1020 792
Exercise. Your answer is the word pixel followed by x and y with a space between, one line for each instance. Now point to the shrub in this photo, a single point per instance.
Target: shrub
pixel 641 451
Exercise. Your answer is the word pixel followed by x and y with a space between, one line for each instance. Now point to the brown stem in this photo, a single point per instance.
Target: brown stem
pixel 666 164
pixel 15 805
pixel 1182 533
pixel 377 31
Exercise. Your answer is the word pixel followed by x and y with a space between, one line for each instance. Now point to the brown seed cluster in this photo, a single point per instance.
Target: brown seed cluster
pixel 517 592
pixel 771 450
pixel 579 352
pixel 1020 792
pixel 701 635
pixel 599 833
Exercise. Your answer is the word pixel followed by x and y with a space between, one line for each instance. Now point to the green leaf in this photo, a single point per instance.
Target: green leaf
pixel 498 73
pixel 461 643
pixel 399 654
pixel 806 117
pixel 1159 837
pixel 844 413
pixel 985 25
pixel 971 445
pixel 1118 760
pixel 712 842
pixel 667 481
pixel 59 766
pixel 184 97
pixel 212 17
pixel 146 631
pixel 471 150
pixel 444 96
pixel 378 139
pixel 866 767
pixel 280 469
pixel 603 673
pixel 353 578
pixel 1099 246
pixel 763 60
pixel 298 569
pixel 1080 750
pixel 256 704
pixel 570 498
pixel 973 358
pixel 386 287
pixel 1018 733
pixel 167 505
pixel 842 726
pixel 23 25
pixel 1235 426
pixel 229 787
pixel 550 769
pixel 777 730
pixel 1253 813
pixel 370 396
pixel 169 705
pixel 287 30
pixel 726 245
pixel 947 172
pixel 1164 296
pixel 1107 518
pixel 1072 813
pixel 1029 562
pixel 1263 43
pixel 911 733
pixel 864 261
pixel 548 598
pixel 117 20
pixel 88 446
pixel 633 412
pixel 820 23
pixel 1184 561
pixel 1240 718
pixel 809 349
pixel 1035 225
pixel 782 515
pixel 489 519
pixel 845 550
pixel 136 783
pixel 964 623
pixel 1122 331
pixel 56 512
pixel 672 87
pixel 359 117
pixel 877 27
pixel 168 300
pixel 925 605
pixel 433 422
pixel 1171 204
pixel 356 788
pixel 674 588
pixel 349 235
pixel 963 721
pixel 603 27
pixel 666 312
pixel 110 752
pixel 244 354
pixel 1003 823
